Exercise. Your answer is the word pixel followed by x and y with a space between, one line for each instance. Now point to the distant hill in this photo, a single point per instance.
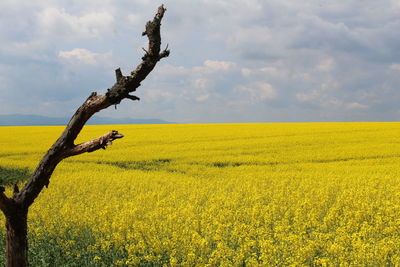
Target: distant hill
pixel 33 120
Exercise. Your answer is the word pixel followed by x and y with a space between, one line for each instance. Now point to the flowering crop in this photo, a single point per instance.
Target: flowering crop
pixel 216 195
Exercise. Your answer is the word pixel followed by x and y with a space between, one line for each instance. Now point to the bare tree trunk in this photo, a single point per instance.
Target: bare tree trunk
pixel 16 238
pixel 16 207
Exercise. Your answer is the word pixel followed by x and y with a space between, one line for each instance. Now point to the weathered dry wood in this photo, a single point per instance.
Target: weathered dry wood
pixel 95 144
pixel 16 237
pixel 64 146
pixel 5 202
pixel 16 208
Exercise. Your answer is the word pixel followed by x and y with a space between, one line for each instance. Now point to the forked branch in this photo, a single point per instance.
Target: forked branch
pixel 64 147
pixel 5 202
pixel 15 208
pixel 95 144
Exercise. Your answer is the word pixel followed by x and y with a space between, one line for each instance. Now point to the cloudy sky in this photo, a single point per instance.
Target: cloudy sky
pixel 231 60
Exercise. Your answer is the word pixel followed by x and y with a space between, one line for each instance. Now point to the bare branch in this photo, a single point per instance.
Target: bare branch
pixel 64 146
pixel 121 90
pixel 5 202
pixel 132 97
pixel 118 75
pixel 16 208
pixel 16 190
pixel 164 53
pixel 95 144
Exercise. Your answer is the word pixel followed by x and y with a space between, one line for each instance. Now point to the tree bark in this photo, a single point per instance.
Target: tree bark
pixel 16 207
pixel 16 239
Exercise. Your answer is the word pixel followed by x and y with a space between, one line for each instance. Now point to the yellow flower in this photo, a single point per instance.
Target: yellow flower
pixel 312 194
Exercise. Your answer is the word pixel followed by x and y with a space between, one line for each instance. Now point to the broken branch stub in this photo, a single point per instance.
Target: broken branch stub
pixel 64 147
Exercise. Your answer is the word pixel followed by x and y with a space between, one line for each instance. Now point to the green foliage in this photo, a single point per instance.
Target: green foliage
pixel 11 176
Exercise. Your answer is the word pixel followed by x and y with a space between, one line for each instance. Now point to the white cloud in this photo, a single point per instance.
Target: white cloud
pixel 328 57
pixel 263 72
pixel 58 23
pixel 259 91
pixel 168 69
pixel 219 65
pixel 201 83
pixel 84 56
pixel 26 47
pixel 307 97
pixel 326 65
pixel 214 66
pixel 208 67
pixel 246 72
pixel 356 105
pixel 135 20
pixel 395 66
pixel 202 98
pixel 198 82
pixel 158 95
pixel 332 102
pixel 270 70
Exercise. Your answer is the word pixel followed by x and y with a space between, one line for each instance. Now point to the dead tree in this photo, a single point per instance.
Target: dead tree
pixel 15 208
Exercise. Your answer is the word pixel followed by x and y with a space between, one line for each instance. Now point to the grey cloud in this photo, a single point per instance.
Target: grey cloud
pixel 284 60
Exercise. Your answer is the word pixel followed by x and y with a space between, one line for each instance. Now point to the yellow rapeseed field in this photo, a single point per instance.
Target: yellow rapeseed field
pixel 295 194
